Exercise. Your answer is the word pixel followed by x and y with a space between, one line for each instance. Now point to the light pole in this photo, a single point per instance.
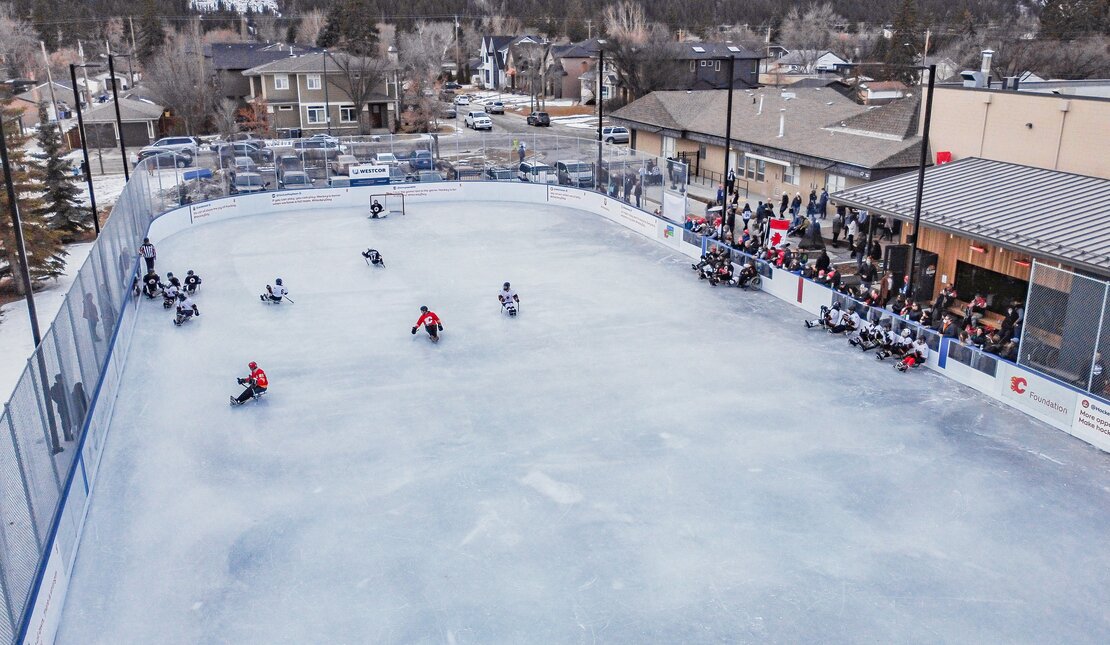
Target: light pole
pixel 85 168
pixel 119 120
pixel 600 111
pixel 327 104
pixel 728 124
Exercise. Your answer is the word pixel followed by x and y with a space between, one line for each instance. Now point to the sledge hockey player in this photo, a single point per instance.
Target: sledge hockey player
pixel 192 282
pixel 829 316
pixel 849 322
pixel 871 336
pixel 377 210
pixel 896 347
pixel 152 284
pixel 374 257
pixel 275 293
pixel 431 323
pixel 917 355
pixel 169 295
pixel 709 259
pixel 746 274
pixel 508 298
pixel 186 309
pixel 256 385
pixel 723 273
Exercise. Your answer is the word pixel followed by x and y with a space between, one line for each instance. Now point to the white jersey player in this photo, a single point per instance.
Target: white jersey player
pixel 274 293
pixel 186 309
pixel 508 298
pixel 169 295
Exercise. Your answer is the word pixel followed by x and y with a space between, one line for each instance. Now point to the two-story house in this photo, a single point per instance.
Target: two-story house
pixel 318 92
pixel 496 70
pixel 704 66
pixel 228 61
pixel 566 63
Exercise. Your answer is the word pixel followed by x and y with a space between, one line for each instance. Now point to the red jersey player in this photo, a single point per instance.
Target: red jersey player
pixel 256 385
pixel 431 324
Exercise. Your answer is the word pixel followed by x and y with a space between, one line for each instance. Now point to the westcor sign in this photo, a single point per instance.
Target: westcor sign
pixel 368 175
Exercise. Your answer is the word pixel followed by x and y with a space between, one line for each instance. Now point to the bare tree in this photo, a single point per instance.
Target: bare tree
pixel 644 60
pixel 225 116
pixel 362 76
pixel 312 23
pixel 627 22
pixel 180 78
pixel 425 49
pixel 809 33
pixel 529 59
pixel 18 43
pixel 501 25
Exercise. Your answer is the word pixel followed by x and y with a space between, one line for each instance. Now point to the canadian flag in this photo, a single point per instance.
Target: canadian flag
pixel 777 231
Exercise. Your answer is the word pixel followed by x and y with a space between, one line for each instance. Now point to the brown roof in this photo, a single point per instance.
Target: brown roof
pixel 897 119
pixel 815 123
pixel 305 64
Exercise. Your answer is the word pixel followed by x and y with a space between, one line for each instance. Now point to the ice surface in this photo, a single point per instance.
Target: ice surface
pixel 636 458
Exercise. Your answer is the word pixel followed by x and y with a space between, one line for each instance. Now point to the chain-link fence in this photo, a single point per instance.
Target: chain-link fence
pixel 1066 332
pixel 43 424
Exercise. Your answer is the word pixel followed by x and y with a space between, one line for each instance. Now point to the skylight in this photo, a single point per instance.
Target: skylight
pixel 700 50
pixel 734 48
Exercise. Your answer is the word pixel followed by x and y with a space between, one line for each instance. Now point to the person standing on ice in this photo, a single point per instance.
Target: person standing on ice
pixel 509 299
pixel 431 324
pixel 256 384
pixel 274 293
pixel 147 253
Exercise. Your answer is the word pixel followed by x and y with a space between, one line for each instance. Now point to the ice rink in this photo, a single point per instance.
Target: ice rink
pixel 637 458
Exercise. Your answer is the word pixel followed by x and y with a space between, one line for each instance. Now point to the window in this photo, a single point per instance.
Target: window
pixel 693 66
pixel 834 183
pixel 281 81
pixel 792 174
pixel 313 81
pixel 756 169
pixel 348 114
pixel 285 108
pixel 316 114
pixel 717 66
pixel 704 63
pixel 999 289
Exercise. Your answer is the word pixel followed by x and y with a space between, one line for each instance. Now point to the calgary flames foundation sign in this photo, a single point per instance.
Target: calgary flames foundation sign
pixel 1038 396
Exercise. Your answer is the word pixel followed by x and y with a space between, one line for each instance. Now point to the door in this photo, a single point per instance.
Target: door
pixel 376 119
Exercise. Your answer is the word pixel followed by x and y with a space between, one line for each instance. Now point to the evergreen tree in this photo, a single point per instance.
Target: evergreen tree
pixel 903 48
pixel 1069 19
pixel 62 208
pixel 151 32
pixel 352 26
pixel 45 252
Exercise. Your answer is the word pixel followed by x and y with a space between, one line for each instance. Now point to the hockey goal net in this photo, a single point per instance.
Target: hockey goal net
pixel 391 204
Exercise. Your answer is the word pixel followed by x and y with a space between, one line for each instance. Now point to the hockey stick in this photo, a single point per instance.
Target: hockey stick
pixel 289 299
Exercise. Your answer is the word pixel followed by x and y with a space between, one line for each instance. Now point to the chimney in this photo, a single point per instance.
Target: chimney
pixel 782 121
pixel 391 53
pixel 988 55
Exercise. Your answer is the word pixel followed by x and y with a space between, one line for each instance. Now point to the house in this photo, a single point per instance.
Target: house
pixel 143 123
pixel 495 70
pixel 298 97
pixel 782 141
pixel 28 101
pixel 947 69
pixel 524 63
pixel 228 61
pixel 807 61
pixel 881 92
pixel 704 66
pixel 565 64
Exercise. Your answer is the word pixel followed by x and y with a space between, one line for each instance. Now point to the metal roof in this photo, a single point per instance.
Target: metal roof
pixel 1045 213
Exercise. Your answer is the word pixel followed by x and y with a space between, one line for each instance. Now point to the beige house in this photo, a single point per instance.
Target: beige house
pixel 782 141
pixel 1065 131
pixel 297 97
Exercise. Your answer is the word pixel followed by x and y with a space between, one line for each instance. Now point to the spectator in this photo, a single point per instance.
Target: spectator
pixel 945 299
pixel 976 309
pixel 59 394
pixel 948 327
pixel 978 338
pixel 92 316
pixel 784 205
pixel 823 262
pixel 746 214
pixel 837 227
pixel 638 191
pixel 906 290
pixel 520 151
pixel 852 232
pixel 886 288
pixel 1012 319
pixel 868 273
pixel 720 194
pixel 796 205
pixel 823 203
pixel 730 181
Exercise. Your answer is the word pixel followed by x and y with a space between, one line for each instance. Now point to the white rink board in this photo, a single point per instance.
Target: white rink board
pixel 631 460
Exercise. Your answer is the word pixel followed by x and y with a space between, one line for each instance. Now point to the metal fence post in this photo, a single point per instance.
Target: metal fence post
pixel 1028 302
pixel 1098 339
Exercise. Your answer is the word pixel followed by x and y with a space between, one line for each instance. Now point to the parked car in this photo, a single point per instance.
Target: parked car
pixel 451 85
pixel 386 159
pixel 288 163
pixel 296 179
pixel 539 118
pixel 450 112
pixel 422 160
pixel 462 99
pixel 244 164
pixel 398 176
pixel 536 172
pixel 497 173
pixel 614 134
pixel 428 175
pixel 341 164
pixel 478 120
pixel 253 149
pixel 164 158
pixel 495 107
pixel 319 146
pixel 181 145
pixel 574 173
pixel 339 181
pixel 248 182
pixel 325 137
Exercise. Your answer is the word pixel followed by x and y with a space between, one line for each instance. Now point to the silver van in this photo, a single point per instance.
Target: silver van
pixel 574 173
pixel 536 172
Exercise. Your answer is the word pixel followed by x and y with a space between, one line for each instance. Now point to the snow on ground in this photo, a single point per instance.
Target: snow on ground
pixel 516 100
pixel 637 458
pixel 16 344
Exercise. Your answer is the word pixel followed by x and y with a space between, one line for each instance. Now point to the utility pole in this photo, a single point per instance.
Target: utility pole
pixel 131 21
pixel 458 61
pixel 88 102
pixel 728 122
pixel 589 28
